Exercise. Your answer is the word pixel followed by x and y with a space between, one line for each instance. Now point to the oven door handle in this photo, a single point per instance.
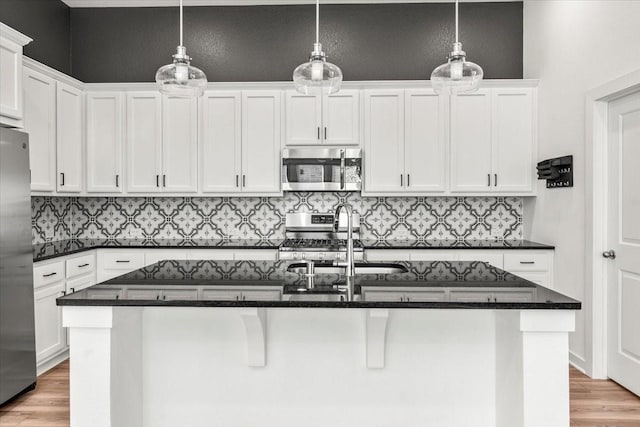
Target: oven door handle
pixel 342 169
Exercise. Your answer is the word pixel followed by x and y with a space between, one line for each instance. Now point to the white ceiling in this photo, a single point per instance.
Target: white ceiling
pixel 174 3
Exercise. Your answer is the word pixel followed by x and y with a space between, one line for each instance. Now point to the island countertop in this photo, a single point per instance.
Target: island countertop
pixel 426 284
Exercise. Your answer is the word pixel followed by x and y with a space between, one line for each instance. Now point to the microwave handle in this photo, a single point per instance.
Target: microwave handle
pixel 342 166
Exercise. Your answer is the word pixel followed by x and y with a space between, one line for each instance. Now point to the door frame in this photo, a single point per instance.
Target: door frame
pixel 596 196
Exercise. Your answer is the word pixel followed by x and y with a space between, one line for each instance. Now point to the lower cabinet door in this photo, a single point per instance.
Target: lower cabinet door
pixel 50 335
pixel 471 296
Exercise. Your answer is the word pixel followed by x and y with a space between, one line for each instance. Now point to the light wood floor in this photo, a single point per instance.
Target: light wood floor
pixel 594 403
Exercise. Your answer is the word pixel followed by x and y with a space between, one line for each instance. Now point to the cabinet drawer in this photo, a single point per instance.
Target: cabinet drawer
pixel 81 265
pixel 471 296
pixel 48 273
pixel 263 295
pixel 180 294
pixel 123 261
pixel 527 261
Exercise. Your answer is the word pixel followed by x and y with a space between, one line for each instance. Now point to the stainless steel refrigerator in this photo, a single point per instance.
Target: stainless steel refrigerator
pixel 17 335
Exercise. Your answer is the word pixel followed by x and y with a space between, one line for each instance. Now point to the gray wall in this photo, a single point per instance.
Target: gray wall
pixel 265 43
pixel 48 23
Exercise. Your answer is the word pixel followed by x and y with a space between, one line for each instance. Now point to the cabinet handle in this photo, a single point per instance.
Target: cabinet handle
pixel 73 290
pixel 488 299
pixel 488 180
pixel 164 180
pixel 325 133
pixel 401 181
pixel 62 178
pixel 157 180
pixel 49 275
pixel 408 180
pixel 495 299
pixel 237 180
pixel 83 265
pixel 63 293
pixel 407 299
pixel 117 180
pixel 244 180
pixel 495 179
pixel 527 262
pixel 123 260
pixel 318 133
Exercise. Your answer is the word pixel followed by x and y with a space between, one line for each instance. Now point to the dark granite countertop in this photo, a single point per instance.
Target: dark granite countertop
pixel 454 244
pixel 45 251
pixel 437 285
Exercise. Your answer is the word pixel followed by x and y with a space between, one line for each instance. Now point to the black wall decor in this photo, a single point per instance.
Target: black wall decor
pixel 393 41
pixel 558 172
pixel 48 23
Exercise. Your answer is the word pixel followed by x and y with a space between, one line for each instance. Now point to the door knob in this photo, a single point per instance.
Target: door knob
pixel 609 254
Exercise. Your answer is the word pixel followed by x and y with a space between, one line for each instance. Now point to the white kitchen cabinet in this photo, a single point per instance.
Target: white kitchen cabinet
pixel 261 142
pixel 221 141
pixel 493 140
pixel 143 142
pixel 384 141
pixel 40 123
pixel 471 142
pixel 69 138
pixel 11 94
pixel 104 142
pixel 116 262
pixel 49 284
pixel 323 119
pixel 179 145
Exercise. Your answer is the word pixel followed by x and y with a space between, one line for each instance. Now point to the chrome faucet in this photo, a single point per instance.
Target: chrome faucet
pixel 350 270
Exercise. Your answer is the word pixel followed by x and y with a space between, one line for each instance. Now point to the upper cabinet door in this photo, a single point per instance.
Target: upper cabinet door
pixel 261 141
pixel 303 119
pixel 144 142
pixel 104 142
pixel 513 137
pixel 341 118
pixel 221 142
pixel 384 141
pixel 40 123
pixel 69 138
pixel 10 82
pixel 426 129
pixel 471 142
pixel 180 145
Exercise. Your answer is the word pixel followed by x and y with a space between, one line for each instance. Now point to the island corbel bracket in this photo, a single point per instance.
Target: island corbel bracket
pixel 255 322
pixel 376 337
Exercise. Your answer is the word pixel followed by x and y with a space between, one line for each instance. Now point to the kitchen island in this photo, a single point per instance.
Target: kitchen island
pixel 246 343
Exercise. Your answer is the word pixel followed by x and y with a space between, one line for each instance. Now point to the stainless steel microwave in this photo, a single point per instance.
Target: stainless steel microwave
pixel 321 169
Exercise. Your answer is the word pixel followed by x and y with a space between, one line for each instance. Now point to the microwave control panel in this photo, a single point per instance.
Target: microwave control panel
pixel 321 219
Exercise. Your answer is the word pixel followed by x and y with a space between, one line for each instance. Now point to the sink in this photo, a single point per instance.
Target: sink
pixel 360 268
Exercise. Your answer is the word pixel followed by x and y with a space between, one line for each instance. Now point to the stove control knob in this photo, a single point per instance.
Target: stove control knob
pixel 303 256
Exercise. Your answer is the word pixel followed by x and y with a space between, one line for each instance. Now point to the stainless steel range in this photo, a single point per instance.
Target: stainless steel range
pixel 313 237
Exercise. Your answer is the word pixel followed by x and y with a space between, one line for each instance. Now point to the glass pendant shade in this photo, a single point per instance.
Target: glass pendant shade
pixel 458 75
pixel 317 76
pixel 180 78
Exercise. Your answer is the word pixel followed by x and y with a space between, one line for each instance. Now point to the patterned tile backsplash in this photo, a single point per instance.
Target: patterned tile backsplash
pixel 383 218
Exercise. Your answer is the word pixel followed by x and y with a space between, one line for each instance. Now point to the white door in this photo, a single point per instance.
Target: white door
pixel 384 141
pixel 512 134
pixel 426 128
pixel 221 142
pixel 69 138
pixel 104 142
pixel 261 142
pixel 341 118
pixel 40 123
pixel 471 142
pixel 179 145
pixel 143 142
pixel 624 238
pixel 303 118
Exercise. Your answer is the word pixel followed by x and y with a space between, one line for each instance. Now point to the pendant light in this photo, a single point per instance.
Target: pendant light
pixel 458 75
pixel 317 75
pixel 180 78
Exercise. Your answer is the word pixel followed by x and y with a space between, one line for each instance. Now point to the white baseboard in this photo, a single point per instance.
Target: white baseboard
pixel 577 362
pixel 52 362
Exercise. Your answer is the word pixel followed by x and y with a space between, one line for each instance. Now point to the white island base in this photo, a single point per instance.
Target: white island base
pixel 329 367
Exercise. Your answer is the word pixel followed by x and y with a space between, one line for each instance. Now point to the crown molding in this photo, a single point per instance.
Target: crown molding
pixel 53 73
pixel 174 3
pixel 15 36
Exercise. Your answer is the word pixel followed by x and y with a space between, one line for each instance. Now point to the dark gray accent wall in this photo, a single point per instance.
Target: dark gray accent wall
pixel 265 43
pixel 48 23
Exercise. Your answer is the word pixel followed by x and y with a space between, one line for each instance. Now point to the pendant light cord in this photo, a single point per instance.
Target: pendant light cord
pixel 317 21
pixel 456 21
pixel 181 19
